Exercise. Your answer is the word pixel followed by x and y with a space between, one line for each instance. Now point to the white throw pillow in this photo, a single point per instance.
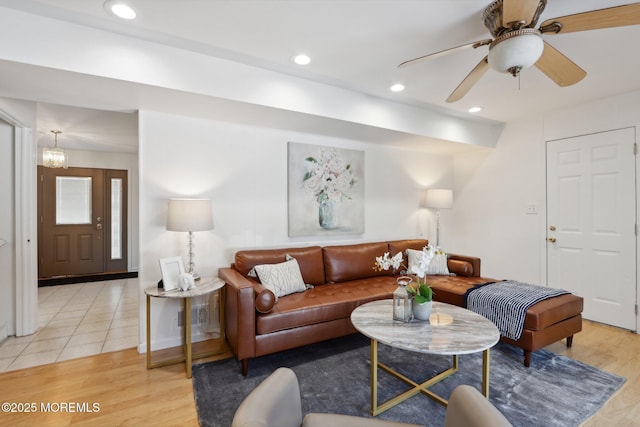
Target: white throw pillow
pixel 281 279
pixel 413 257
pixel 438 265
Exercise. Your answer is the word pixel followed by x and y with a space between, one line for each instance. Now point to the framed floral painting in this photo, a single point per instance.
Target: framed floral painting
pixel 326 190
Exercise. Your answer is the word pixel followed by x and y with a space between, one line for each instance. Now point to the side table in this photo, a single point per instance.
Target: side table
pixel 203 287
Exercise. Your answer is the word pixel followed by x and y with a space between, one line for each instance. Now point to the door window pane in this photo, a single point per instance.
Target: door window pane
pixel 73 200
pixel 116 218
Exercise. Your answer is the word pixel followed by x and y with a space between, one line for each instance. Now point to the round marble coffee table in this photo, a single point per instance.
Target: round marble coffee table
pixel 450 330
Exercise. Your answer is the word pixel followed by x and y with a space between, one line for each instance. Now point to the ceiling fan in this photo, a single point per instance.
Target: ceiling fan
pixel 517 44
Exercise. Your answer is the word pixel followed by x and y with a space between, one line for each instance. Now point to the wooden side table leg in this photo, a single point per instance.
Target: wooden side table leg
pixel 187 335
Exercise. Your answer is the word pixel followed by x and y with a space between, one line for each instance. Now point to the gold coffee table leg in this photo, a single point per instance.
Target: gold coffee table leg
pixel 416 388
pixel 485 373
pixel 374 377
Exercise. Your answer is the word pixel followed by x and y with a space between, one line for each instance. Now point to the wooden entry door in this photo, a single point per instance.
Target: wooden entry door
pixel 82 221
pixel 591 222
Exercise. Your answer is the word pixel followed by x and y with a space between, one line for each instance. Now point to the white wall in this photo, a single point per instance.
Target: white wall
pixel 243 169
pixel 492 191
pixel 121 161
pixel 493 187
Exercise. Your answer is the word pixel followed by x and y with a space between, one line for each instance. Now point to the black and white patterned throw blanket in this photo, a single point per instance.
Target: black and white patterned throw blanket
pixel 506 303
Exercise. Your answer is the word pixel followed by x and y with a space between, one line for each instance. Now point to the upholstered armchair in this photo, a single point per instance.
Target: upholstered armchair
pixel 276 403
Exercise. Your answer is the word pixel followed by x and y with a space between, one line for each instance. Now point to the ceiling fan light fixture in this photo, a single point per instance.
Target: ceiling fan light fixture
pixel 515 51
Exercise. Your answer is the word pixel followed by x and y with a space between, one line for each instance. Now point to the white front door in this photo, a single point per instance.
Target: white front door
pixel 591 220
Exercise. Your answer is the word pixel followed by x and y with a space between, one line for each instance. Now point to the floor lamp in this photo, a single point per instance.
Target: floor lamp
pixel 437 199
pixel 190 215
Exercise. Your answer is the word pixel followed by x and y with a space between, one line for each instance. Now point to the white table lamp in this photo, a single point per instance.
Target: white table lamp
pixel 437 199
pixel 190 215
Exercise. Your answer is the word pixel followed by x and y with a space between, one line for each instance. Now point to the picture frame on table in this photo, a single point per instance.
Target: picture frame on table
pixel 171 269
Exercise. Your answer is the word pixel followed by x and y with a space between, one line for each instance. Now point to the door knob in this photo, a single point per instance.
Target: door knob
pixel 99 226
pixel 552 239
pixel 552 228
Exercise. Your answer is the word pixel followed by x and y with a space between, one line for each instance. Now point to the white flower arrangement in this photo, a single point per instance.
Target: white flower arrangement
pixel 384 262
pixel 328 178
pixel 422 292
pixel 422 266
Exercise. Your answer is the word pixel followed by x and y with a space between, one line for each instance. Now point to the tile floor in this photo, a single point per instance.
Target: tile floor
pixel 76 321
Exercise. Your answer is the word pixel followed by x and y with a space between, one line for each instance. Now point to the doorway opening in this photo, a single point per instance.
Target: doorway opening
pixel 82 225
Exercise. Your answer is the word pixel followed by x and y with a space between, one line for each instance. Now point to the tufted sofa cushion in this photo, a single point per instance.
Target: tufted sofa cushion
pixel 309 259
pixel 396 246
pixel 324 303
pixel 353 262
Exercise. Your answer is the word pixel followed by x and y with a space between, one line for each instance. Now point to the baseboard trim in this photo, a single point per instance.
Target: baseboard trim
pixel 84 279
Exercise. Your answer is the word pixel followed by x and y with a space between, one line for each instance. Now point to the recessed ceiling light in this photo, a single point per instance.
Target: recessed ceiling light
pixel 475 109
pixel 302 59
pixel 398 87
pixel 120 9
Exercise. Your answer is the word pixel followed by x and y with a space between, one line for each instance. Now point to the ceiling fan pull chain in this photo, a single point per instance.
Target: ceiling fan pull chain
pixel 518 82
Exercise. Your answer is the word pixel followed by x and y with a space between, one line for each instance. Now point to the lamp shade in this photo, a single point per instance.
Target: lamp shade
pixel 190 215
pixel 437 198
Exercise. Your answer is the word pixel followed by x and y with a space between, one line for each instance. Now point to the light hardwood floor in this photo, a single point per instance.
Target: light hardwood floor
pixel 130 395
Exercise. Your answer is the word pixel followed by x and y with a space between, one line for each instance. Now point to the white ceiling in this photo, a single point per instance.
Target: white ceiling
pixel 357 44
pixel 87 129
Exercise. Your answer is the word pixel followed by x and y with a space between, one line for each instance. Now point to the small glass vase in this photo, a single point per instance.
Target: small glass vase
pixel 328 214
pixel 402 301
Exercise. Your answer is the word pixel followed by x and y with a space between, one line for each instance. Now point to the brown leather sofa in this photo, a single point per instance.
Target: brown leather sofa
pixel 343 278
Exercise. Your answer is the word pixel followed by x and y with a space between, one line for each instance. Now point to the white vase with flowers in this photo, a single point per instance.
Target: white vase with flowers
pixel 419 293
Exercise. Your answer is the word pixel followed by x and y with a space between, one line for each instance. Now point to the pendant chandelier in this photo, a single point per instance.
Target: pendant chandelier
pixel 54 157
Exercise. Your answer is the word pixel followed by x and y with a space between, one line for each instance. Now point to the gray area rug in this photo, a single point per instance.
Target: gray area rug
pixel 334 377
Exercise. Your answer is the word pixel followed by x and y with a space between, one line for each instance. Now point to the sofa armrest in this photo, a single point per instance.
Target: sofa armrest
pixel 240 313
pixel 473 262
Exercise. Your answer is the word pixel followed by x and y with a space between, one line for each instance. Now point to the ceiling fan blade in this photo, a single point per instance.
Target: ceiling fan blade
pixel 618 16
pixel 468 82
pixel 518 10
pixel 445 52
pixel 558 67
